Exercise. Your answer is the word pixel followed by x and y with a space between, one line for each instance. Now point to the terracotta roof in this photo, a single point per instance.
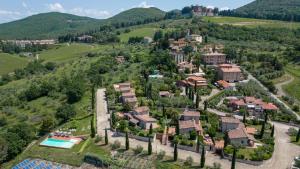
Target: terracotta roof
pixel 172 131
pixel 125 89
pixel 219 144
pixel 237 133
pixel 230 120
pixel 145 118
pixel 128 94
pixel 250 99
pixel 223 83
pixel 269 106
pixel 229 68
pixel 250 130
pixel 191 113
pixel 238 102
pixel 142 110
pixel 190 124
pixel 196 78
pixel 131 100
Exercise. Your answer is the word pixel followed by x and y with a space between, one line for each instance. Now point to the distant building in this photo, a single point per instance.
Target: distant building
pixel 148 40
pixel 229 72
pixel 193 80
pixel 214 58
pixel 24 43
pixel 178 56
pixel 183 66
pixel 238 137
pixel 224 85
pixel 190 125
pixel 143 110
pixel 127 93
pixel 85 38
pixel 145 121
pixel 191 115
pixel 194 37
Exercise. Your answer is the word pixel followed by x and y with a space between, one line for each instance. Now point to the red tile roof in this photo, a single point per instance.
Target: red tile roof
pixel 191 113
pixel 229 68
pixel 237 133
pixel 269 106
pixel 223 83
pixel 230 120
pixel 145 118
pixel 190 124
pixel 142 110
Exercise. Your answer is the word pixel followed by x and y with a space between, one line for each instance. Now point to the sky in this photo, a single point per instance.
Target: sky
pixel 11 10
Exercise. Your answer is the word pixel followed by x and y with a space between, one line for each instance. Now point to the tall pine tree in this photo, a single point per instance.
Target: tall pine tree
pixel 202 162
pixel 149 146
pixel 106 137
pixel 233 159
pixel 126 141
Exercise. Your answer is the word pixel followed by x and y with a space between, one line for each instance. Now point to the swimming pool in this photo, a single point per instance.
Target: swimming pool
pixel 50 142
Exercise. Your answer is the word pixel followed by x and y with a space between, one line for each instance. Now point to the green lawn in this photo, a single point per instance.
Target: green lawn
pixel 65 52
pixel 249 22
pixel 8 63
pixel 140 32
pixel 293 88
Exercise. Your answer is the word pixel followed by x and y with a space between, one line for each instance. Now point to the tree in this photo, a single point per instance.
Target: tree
pixel 93 132
pixel 106 137
pixel 233 159
pixel 205 105
pixel 3 149
pixel 272 131
pixel 197 99
pixel 93 98
pixel 151 129
pixel 175 156
pixel 149 146
pixel 48 123
pixel 113 120
pixel 65 112
pixel 177 128
pixel 298 135
pixel 262 131
pixel 199 141
pixel 202 163
pixel 243 111
pixel 126 141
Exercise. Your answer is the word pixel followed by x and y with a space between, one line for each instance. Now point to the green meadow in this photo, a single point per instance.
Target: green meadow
pixel 10 62
pixel 293 88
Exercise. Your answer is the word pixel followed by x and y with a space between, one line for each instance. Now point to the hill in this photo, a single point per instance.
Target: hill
pixel 288 10
pixel 54 24
pixel 138 15
pixel 45 25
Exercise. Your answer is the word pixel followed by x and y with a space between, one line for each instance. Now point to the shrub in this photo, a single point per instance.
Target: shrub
pixel 98 139
pixel 139 149
pixel 161 155
pixel 189 161
pixel 116 145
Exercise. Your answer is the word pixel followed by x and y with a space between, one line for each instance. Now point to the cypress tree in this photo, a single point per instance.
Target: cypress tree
pixel 202 163
pixel 177 128
pixel 298 135
pixel 198 144
pixel 175 156
pixel 262 131
pixel 244 117
pixel 106 137
pixel 164 110
pixel 195 87
pixel 233 159
pixel 93 132
pixel 126 141
pixel 113 119
pixel 93 98
pixel 205 105
pixel 272 131
pixel 186 90
pixel 151 129
pixel 149 146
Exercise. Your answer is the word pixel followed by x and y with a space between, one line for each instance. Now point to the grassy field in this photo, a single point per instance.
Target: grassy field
pixel 293 88
pixel 8 63
pixel 140 32
pixel 64 53
pixel 249 22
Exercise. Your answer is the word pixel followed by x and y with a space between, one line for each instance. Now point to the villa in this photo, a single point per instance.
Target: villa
pixel 191 115
pixel 145 121
pixel 229 123
pixel 239 136
pixel 144 110
pixel 229 72
pixel 214 58
pixel 190 125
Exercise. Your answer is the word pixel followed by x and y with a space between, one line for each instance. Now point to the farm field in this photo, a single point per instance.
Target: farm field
pixel 249 22
pixel 10 62
pixel 293 88
pixel 140 32
pixel 64 53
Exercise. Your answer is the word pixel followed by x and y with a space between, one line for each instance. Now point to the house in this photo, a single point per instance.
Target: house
pixel 183 66
pixel 164 94
pixel 238 137
pixel 229 72
pixel 196 80
pixel 194 37
pixel 255 107
pixel 191 115
pixel 85 38
pixel 180 43
pixel 118 86
pixel 190 125
pixel 145 121
pixel 213 48
pixel 224 85
pixel 214 58
pixel 143 110
pixel 178 56
pixel 229 123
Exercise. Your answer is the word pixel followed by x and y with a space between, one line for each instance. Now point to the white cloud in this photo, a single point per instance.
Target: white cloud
pixel 144 5
pixel 24 4
pixel 211 7
pixel 56 7
pixel 100 14
pixel 4 12
pixel 6 16
pixel 224 8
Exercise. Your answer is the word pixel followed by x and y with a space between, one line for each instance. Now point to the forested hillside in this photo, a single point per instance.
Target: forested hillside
pixel 288 10
pixel 54 24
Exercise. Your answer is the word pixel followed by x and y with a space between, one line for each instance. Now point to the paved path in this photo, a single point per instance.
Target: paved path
pixel 281 159
pixel 250 77
pixel 280 91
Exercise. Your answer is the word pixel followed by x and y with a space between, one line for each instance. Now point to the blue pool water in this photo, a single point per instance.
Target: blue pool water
pixel 50 142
